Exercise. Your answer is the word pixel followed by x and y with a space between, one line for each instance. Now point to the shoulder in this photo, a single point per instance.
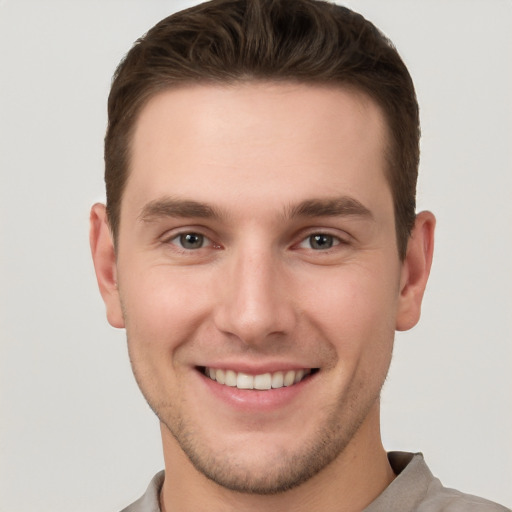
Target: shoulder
pixel 416 489
pixel 443 499
pixel 149 501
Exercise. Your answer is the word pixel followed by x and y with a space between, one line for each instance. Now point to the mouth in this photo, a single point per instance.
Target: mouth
pixel 261 382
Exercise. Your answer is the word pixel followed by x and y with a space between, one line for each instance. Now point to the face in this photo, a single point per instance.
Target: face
pixel 258 277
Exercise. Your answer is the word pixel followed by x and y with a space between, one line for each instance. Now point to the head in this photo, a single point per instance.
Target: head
pixel 261 162
pixel 297 41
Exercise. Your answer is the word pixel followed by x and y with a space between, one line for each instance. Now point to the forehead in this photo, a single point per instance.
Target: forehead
pixel 259 139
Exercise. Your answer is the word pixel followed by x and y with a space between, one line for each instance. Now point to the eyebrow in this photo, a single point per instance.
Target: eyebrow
pixel 187 208
pixel 330 207
pixel 173 207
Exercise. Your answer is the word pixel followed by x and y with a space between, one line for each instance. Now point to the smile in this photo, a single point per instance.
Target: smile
pixel 263 381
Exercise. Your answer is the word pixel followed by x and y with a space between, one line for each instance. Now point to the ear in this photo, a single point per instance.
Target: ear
pixel 415 271
pixel 104 258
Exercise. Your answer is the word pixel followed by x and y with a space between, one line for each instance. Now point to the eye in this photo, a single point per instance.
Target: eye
pixel 191 241
pixel 320 242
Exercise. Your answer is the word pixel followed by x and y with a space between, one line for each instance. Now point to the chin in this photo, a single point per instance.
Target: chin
pixel 259 464
pixel 270 474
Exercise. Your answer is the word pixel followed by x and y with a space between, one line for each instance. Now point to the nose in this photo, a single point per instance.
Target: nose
pixel 255 300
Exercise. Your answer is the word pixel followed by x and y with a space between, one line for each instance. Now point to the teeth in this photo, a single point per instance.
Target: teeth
pixel 244 381
pixel 220 376
pixel 289 378
pixel 299 375
pixel 277 380
pixel 230 378
pixel 263 381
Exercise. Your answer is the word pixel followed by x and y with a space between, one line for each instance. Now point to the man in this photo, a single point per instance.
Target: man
pixel 260 245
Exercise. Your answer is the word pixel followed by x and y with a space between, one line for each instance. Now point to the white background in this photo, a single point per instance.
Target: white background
pixel 75 434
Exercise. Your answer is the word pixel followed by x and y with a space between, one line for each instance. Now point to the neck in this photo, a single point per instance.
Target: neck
pixel 350 483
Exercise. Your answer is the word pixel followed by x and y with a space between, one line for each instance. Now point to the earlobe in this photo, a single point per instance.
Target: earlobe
pixel 104 258
pixel 415 271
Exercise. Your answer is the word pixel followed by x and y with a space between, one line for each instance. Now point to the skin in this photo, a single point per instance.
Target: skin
pixel 256 169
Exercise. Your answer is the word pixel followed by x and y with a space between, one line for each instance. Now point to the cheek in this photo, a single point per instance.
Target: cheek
pixel 355 308
pixel 162 308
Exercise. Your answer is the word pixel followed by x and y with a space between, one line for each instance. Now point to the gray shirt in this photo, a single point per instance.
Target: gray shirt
pixel 414 489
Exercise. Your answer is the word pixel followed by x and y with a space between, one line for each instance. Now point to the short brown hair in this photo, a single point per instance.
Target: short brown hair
pixel 306 41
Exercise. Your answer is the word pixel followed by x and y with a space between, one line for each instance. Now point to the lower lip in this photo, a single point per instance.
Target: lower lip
pixel 253 400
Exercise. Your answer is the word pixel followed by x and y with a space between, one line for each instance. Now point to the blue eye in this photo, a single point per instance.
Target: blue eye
pixel 190 240
pixel 321 242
